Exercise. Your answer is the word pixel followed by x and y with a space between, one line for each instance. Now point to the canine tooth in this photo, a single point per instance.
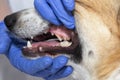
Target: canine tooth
pixel 65 44
pixel 52 34
pixel 40 48
pixel 59 38
pixel 29 44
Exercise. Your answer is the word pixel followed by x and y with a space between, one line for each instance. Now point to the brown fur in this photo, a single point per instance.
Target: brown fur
pixel 108 47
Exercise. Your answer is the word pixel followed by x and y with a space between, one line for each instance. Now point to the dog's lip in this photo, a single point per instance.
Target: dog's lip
pixel 43 48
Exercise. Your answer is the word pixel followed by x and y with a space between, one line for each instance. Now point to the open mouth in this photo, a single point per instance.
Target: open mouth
pixel 42 37
pixel 54 41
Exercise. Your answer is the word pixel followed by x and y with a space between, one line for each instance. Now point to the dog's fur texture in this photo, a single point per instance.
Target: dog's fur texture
pixel 98 23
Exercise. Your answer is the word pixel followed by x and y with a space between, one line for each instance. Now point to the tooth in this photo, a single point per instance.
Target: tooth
pixel 59 38
pixel 31 37
pixel 65 44
pixel 40 48
pixel 52 34
pixel 29 44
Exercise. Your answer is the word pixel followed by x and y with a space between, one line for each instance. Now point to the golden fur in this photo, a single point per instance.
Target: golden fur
pixel 98 25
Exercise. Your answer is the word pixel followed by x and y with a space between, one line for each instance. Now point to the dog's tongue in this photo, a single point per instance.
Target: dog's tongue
pixel 46 44
pixel 66 41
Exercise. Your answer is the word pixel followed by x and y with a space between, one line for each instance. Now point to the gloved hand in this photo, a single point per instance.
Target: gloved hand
pixel 45 67
pixel 5 41
pixel 57 11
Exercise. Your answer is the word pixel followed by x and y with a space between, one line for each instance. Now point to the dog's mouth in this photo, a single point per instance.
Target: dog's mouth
pixel 42 37
pixel 54 41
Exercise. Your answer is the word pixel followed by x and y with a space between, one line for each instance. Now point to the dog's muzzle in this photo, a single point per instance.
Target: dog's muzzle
pixel 43 38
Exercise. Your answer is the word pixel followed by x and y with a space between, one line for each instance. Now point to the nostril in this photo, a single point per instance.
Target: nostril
pixel 10 21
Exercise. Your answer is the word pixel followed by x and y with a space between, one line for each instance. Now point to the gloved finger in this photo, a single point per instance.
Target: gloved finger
pixel 2 26
pixel 66 71
pixel 4 39
pixel 44 9
pixel 4 43
pixel 69 4
pixel 58 63
pixel 26 65
pixel 66 18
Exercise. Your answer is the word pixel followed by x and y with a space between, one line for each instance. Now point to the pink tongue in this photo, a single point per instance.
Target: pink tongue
pixel 45 44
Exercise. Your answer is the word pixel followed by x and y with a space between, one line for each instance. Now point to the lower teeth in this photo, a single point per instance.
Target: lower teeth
pixel 65 44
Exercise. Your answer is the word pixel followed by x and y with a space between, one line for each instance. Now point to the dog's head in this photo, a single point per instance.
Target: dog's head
pixel 42 37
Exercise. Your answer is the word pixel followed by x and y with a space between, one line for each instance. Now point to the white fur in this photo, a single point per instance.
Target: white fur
pixel 115 75
pixel 29 24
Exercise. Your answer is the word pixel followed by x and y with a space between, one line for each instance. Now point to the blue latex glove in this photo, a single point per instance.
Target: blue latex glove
pixel 57 11
pixel 45 67
pixel 5 41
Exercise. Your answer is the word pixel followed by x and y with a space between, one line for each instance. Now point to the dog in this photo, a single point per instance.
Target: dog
pixel 97 27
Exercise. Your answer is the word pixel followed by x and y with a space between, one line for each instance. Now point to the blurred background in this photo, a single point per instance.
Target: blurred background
pixel 4 9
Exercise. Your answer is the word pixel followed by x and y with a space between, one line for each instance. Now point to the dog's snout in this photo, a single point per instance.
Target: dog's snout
pixel 10 21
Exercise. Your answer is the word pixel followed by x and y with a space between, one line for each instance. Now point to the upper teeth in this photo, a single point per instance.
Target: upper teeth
pixel 59 38
pixel 52 34
pixel 31 37
pixel 29 44
pixel 65 44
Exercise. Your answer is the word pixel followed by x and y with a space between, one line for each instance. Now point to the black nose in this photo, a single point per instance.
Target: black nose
pixel 10 21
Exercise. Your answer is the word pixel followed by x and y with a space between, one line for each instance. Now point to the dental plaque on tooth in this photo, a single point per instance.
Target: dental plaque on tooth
pixel 43 38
